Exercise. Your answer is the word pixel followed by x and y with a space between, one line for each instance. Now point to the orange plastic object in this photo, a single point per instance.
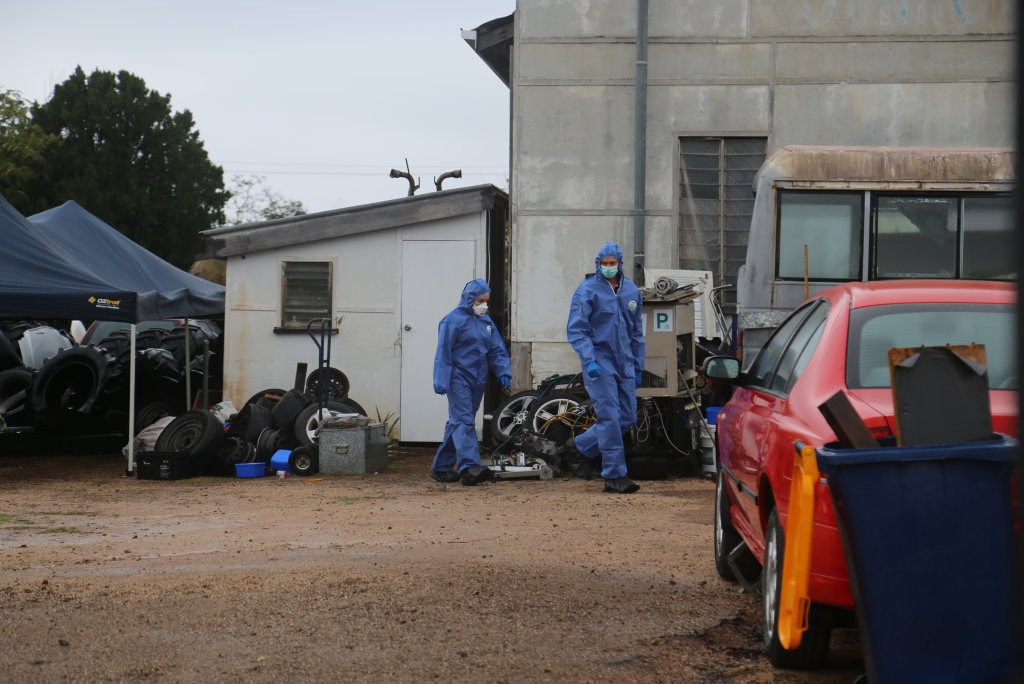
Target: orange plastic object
pixel 794 604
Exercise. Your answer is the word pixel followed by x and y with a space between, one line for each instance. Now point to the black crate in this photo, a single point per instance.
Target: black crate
pixel 164 466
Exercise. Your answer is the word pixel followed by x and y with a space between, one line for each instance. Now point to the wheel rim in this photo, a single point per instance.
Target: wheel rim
pixel 513 415
pixel 551 408
pixel 312 423
pixel 771 582
pixel 719 503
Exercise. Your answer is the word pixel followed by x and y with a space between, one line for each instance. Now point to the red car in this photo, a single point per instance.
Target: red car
pixel 837 340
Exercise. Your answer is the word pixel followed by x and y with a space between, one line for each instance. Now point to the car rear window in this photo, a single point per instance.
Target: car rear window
pixel 873 330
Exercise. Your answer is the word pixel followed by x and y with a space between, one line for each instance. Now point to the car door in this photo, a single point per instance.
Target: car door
pixel 765 425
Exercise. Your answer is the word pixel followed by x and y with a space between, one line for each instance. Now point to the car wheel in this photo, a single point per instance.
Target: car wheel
pixel 233 450
pixel 337 384
pixel 559 416
pixel 510 415
pixel 308 421
pixel 150 412
pixel 75 380
pixel 283 415
pixel 267 398
pixel 304 461
pixel 196 433
pixel 15 405
pixel 813 648
pixel 727 539
pixel 250 421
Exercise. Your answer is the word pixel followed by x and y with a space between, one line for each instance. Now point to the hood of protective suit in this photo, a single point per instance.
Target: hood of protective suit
pixel 474 288
pixel 607 250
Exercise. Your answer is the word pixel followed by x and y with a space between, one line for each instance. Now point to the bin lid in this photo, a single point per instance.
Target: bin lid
pixel 1000 448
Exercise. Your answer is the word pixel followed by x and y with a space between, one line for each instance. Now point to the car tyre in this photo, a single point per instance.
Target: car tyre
pixel 727 538
pixel 813 648
pixel 309 419
pixel 304 461
pixel 196 433
pixel 510 415
pixel 337 384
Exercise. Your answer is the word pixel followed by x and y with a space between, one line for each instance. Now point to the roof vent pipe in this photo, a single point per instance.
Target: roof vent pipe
pixel 640 144
pixel 457 173
pixel 407 175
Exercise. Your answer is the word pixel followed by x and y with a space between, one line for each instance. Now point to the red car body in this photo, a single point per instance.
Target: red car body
pixel 757 427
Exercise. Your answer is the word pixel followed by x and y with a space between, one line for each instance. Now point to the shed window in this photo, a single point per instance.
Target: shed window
pixel 305 292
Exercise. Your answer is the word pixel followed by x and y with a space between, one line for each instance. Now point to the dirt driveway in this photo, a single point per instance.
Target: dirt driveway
pixel 382 577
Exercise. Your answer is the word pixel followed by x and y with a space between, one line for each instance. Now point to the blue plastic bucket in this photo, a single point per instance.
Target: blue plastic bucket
pixel 712 414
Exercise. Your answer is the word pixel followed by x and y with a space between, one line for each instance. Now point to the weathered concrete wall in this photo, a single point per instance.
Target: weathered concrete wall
pixel 855 72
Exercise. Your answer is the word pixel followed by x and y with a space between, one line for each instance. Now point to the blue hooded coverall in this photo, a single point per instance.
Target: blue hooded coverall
pixel 606 326
pixel 467 345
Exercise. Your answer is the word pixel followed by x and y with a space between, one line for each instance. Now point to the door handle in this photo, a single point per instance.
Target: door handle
pixel 408 327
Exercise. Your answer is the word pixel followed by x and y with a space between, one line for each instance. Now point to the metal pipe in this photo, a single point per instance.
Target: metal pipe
pixel 640 144
pixel 457 173
pixel 407 175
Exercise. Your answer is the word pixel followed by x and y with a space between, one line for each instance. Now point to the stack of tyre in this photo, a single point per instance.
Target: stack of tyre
pixel 270 421
pixel 84 389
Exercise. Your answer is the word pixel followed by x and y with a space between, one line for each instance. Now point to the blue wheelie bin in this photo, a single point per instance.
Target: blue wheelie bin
pixel 927 533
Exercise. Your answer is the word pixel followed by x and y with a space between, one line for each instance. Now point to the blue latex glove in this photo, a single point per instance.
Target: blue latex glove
pixel 506 382
pixel 639 378
pixel 593 370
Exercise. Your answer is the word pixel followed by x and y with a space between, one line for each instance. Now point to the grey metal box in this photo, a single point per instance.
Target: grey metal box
pixel 354 450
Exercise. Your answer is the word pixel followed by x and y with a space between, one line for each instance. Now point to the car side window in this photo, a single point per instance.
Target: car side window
pixel 761 371
pixel 802 348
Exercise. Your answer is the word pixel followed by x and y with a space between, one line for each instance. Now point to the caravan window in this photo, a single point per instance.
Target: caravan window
pixel 934 236
pixel 829 225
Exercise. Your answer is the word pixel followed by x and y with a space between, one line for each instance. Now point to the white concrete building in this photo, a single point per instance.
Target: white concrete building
pixel 645 121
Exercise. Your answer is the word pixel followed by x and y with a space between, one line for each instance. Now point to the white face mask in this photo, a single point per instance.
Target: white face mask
pixel 480 309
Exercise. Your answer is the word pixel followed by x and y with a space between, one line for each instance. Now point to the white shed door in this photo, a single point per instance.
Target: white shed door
pixel 433 275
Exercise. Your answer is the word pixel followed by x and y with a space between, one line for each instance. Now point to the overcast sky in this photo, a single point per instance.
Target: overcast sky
pixel 322 98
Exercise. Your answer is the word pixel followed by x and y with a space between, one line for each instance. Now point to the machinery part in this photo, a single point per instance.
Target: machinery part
pixel 559 416
pixel 337 387
pixel 519 466
pixel 15 405
pixel 510 415
pixel 75 380
pixel 307 423
pixel 284 413
pixel 304 461
pixel 196 433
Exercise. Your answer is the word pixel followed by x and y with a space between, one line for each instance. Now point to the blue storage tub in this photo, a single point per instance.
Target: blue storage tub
pixel 712 414
pixel 251 469
pixel 927 533
pixel 279 461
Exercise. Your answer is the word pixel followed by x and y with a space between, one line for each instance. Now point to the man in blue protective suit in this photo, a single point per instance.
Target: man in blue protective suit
pixel 468 343
pixel 606 330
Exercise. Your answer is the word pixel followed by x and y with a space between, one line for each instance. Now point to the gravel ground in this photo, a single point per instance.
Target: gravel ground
pixel 382 577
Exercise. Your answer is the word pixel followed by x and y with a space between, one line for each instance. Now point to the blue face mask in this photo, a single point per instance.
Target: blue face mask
pixel 609 271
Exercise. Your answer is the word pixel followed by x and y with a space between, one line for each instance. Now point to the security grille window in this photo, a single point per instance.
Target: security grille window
pixel 820 236
pixel 306 293
pixel 938 236
pixel 715 205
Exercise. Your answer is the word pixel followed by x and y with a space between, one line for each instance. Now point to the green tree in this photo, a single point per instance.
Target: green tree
pixel 131 161
pixel 23 148
pixel 252 201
